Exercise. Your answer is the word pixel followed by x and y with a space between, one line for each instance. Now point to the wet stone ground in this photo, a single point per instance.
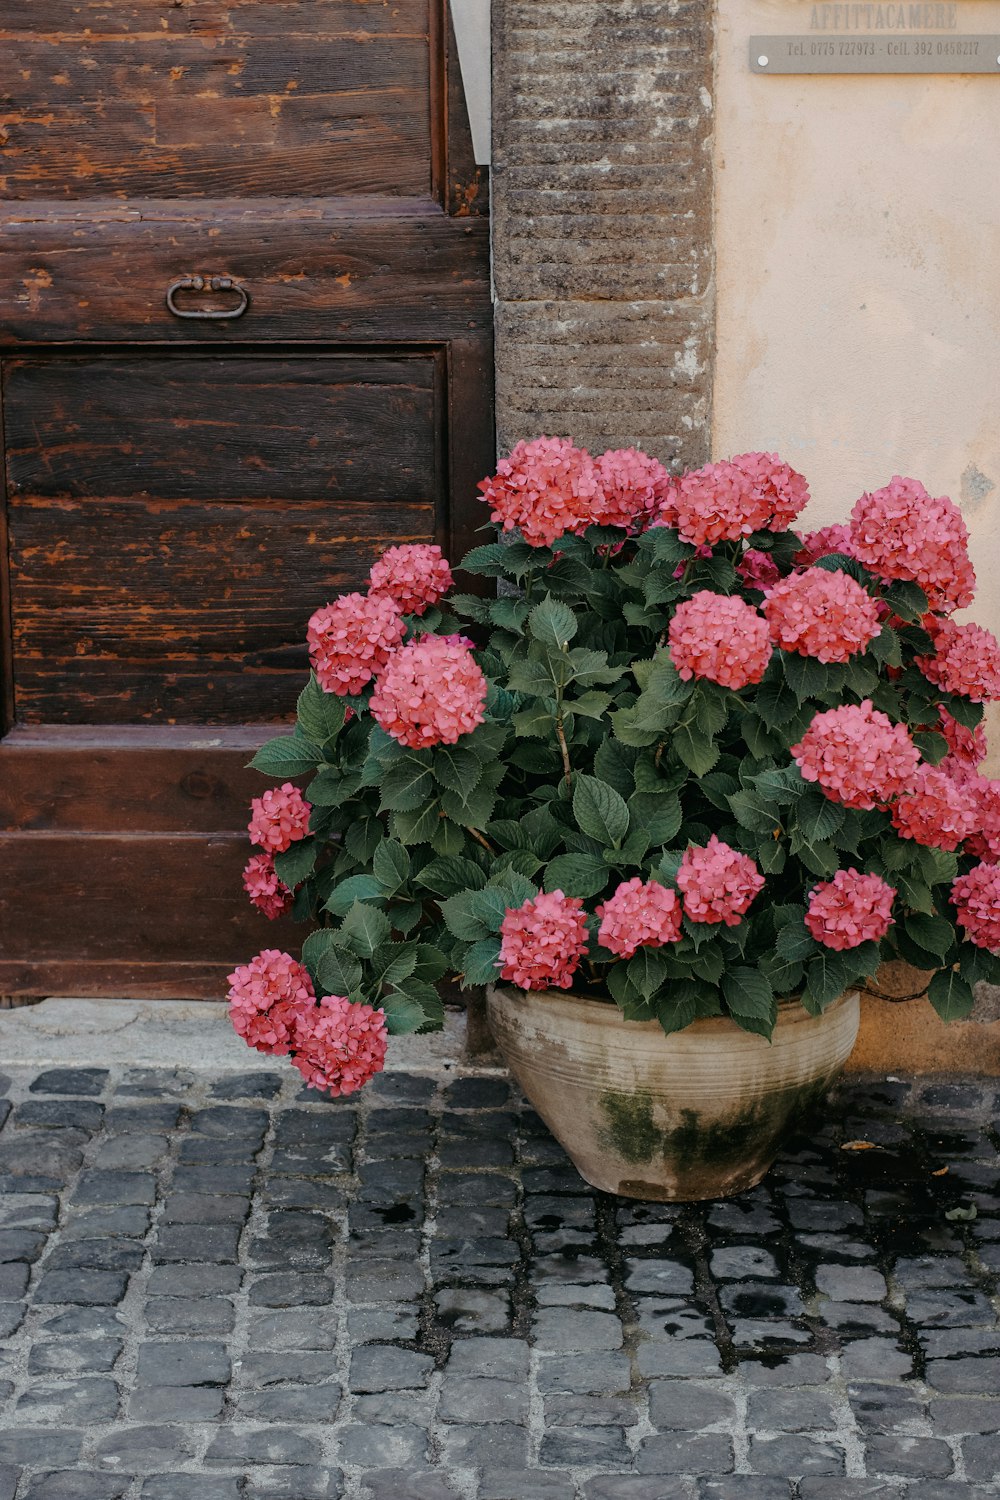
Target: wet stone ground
pixel 226 1288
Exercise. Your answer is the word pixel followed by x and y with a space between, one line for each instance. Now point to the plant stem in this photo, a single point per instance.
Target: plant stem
pixel 480 840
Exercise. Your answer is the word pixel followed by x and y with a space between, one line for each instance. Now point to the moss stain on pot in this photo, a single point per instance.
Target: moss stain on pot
pixel 632 1132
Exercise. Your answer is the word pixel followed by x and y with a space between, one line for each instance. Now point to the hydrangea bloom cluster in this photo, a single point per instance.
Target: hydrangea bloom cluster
pixel 825 615
pixel 984 841
pixel 776 491
pixel 351 640
pixel 544 489
pixel 430 693
pixel 717 882
pixel 976 898
pixel 899 531
pixel 632 487
pixel 341 1045
pixel 823 543
pixel 966 660
pixel 278 818
pixel 710 505
pixel 261 883
pixel 858 755
pixel 758 570
pixel 967 746
pixel 415 576
pixel 850 909
pixel 721 637
pixel 269 999
pixel 935 810
pixel 543 941
pixel 639 915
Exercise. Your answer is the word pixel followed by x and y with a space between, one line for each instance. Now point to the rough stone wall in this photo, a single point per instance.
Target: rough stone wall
pixel 602 222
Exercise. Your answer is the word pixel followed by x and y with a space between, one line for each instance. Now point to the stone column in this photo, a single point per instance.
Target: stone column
pixel 602 223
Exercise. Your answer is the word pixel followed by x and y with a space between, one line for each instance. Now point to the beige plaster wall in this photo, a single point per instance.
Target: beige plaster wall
pixel 858 278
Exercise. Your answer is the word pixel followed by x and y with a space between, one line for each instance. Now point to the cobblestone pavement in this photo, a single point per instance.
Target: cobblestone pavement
pixel 232 1288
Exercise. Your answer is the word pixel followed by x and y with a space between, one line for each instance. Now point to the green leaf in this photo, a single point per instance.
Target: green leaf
pixel 535 723
pixel 938 866
pixel 816 817
pixel 417 827
pixel 296 862
pixel 933 746
pixel 748 994
pixel 552 623
pixel 696 750
pixel 338 974
pixel 660 815
pixel 363 838
pixel 819 858
pixel 807 677
pixel 794 943
pixel 599 810
pixel 481 962
pixel 431 963
pixel 395 962
pixel 465 920
pixel 406 785
pixel 491 561
pixel 906 599
pixel 968 714
pixel 521 861
pixel 320 715
pixel 355 888
pixel 391 865
pixel 647 971
pixel 886 648
pixel 330 788
pixel 934 934
pixel 950 995
pixel 288 755
pixel 577 874
pixel 828 975
pixel 591 704
pixel 403 1015
pixel 509 614
pixel 447 839
pixel 458 768
pixel 365 929
pixel 679 1006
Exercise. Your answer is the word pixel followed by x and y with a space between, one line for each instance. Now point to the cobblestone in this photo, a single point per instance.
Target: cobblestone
pixel 232 1288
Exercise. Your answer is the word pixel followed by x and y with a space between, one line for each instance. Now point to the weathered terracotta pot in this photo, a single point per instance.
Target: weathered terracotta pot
pixel 699 1114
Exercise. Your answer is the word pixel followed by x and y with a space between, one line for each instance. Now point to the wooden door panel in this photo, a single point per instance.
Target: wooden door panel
pixel 241 494
pixel 231 105
pixel 179 495
pixel 349 272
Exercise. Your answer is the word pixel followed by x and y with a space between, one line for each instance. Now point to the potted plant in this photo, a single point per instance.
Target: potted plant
pixel 672 796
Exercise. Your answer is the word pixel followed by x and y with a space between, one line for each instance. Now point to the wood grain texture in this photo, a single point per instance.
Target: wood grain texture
pixel 314 272
pixel 242 109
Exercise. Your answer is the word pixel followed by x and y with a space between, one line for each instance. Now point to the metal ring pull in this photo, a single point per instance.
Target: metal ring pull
pixel 199 284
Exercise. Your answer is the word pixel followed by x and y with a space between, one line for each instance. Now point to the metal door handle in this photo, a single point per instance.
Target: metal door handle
pixel 200 284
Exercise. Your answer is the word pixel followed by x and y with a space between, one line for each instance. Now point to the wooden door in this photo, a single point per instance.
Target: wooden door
pixel 181 491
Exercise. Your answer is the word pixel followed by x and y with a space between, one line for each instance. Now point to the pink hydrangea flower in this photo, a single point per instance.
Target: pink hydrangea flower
pixel 967 746
pixel 976 897
pixel 351 640
pixel 414 575
pixel 544 489
pixel 543 941
pixel 777 491
pixel 712 504
pixel 261 883
pixel 828 616
pixel 984 840
pixel 758 570
pixel 639 915
pixel 341 1045
pixel 269 998
pixel 934 810
pixel 850 909
pixel 900 531
pixel 632 487
pixel 966 660
pixel 858 755
pixel 823 543
pixel 279 817
pixel 430 693
pixel 718 883
pixel 721 637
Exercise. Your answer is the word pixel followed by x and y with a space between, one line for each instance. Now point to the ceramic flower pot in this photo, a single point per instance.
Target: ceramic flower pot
pixel 699 1114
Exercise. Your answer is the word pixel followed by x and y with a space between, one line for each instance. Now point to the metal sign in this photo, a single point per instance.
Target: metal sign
pixel 875 54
